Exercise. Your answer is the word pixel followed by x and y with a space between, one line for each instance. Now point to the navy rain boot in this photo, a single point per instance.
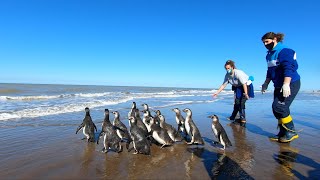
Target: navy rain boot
pixel 290 132
pixel 280 134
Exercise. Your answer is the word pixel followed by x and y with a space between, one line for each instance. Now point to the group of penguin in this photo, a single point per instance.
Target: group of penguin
pixel 148 129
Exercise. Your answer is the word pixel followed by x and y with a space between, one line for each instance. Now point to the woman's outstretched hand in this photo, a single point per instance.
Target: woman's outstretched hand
pixel 215 95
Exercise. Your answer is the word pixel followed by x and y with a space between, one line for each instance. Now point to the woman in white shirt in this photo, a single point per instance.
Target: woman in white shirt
pixel 240 84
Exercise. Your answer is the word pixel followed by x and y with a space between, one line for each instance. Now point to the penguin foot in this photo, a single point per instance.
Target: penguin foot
pixel 120 150
pixel 104 150
pixel 135 152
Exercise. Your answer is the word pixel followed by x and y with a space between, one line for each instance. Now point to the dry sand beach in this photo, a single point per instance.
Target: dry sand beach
pixel 53 151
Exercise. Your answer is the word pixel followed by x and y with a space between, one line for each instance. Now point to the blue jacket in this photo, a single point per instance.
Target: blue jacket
pixel 282 63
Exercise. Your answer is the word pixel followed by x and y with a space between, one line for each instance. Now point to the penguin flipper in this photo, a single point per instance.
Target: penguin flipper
pixel 95 126
pixel 179 126
pixel 191 131
pixel 80 126
pixel 218 137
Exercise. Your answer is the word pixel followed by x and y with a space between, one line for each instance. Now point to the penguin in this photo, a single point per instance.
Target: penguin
pixel 140 143
pixel 145 106
pixel 158 112
pixel 121 129
pixel 140 123
pixel 219 132
pixel 88 126
pixel 146 118
pixel 191 128
pixel 110 138
pixel 172 132
pixel 180 120
pixel 132 110
pixel 156 117
pixel 159 134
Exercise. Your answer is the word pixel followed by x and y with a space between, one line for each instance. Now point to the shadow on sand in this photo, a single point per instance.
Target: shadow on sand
pixel 308 124
pixel 257 130
pixel 288 156
pixel 218 165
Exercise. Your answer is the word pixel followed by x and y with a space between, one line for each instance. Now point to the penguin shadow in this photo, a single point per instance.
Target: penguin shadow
pixel 212 142
pixel 218 165
pixel 288 156
pixel 225 168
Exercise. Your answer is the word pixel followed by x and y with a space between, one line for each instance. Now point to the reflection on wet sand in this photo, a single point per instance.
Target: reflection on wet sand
pixel 243 148
pixel 289 156
pixel 189 163
pixel 87 158
pixel 115 166
pixel 224 167
pixel 286 157
pixel 157 165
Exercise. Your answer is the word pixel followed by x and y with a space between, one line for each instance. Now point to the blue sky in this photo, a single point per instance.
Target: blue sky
pixel 167 43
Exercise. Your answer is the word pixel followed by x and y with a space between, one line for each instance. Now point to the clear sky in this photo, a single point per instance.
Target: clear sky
pixel 167 43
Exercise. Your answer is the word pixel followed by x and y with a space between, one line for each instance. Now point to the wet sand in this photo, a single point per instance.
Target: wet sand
pixel 56 152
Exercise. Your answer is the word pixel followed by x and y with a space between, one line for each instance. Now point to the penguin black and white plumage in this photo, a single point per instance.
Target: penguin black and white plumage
pixel 172 132
pixel 145 106
pixel 110 138
pixel 121 129
pixel 132 110
pixel 219 132
pixel 140 123
pixel 159 134
pixel 146 118
pixel 191 128
pixel 156 117
pixel 88 126
pixel 140 142
pixel 180 120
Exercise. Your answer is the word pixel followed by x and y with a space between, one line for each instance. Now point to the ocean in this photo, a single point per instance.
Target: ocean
pixel 26 101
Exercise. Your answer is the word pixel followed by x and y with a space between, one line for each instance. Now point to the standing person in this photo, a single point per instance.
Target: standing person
pixel 282 70
pixel 238 79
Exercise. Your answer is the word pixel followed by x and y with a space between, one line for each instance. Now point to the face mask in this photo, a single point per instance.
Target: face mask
pixel 269 46
pixel 229 71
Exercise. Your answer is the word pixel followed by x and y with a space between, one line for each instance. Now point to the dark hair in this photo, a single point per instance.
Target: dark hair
pixel 271 35
pixel 231 63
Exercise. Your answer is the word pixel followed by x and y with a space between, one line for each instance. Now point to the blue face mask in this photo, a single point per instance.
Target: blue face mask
pixel 229 71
